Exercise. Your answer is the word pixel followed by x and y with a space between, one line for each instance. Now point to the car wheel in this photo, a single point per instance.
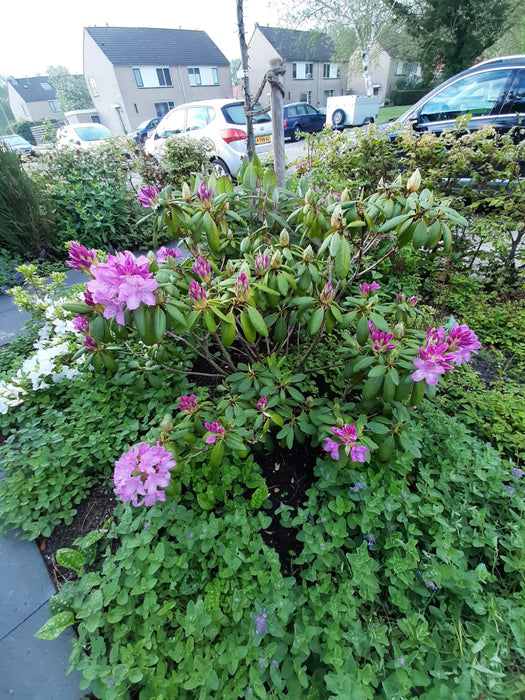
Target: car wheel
pixel 338 118
pixel 296 136
pixel 220 168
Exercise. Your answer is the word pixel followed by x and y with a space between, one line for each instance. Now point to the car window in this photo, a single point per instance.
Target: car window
pixel 197 118
pixel 477 94
pixel 310 110
pixel 515 99
pixel 234 114
pixel 173 123
pixel 292 111
pixel 301 110
pixel 92 133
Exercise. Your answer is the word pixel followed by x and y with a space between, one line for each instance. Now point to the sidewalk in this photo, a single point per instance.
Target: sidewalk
pixel 30 668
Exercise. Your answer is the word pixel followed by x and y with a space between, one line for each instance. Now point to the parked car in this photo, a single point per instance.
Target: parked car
pixel 351 110
pixel 222 121
pixel 301 117
pixel 141 133
pixel 491 93
pixel 85 136
pixel 18 144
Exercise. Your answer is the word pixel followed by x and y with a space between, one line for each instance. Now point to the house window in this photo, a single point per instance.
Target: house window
pixel 164 77
pixel 305 96
pixel 45 86
pixel 203 75
pixel 162 108
pixel 95 118
pixel 150 77
pixel 331 71
pixel 303 71
pixel 195 77
pixel 400 69
pixel 326 95
pixel 93 86
pixel 54 105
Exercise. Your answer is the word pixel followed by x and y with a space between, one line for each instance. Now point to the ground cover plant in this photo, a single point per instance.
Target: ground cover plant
pixel 284 344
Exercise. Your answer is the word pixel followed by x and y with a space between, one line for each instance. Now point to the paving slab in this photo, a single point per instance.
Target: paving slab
pixel 24 581
pixel 35 669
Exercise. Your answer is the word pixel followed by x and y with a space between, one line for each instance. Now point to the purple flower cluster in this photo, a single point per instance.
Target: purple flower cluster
pixel 380 340
pixel 148 196
pixel 441 352
pixel 204 195
pixel 262 263
pixel 262 404
pixel 202 269
pixel 370 539
pixel 122 280
pixel 187 404
pixel 198 295
pixel 357 487
pixel 242 287
pixel 164 253
pixel 260 623
pixel 81 324
pixel 216 429
pixel 80 258
pixel 366 288
pixel 347 438
pixel 142 473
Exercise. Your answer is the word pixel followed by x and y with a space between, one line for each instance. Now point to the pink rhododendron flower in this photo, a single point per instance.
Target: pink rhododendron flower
pixel 348 440
pixel 148 196
pixel 142 473
pixel 187 404
pixel 462 341
pixel 215 428
pixel 80 258
pixel 327 295
pixel 81 324
pixel 164 253
pixel 137 290
pixel 262 404
pixel 198 295
pixel 90 343
pixel 427 370
pixel 204 192
pixel 242 287
pixel 121 279
pixel 366 288
pixel 202 269
pixel 380 340
pixel 262 263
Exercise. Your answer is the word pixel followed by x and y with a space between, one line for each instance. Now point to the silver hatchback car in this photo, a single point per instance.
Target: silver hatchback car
pixel 223 122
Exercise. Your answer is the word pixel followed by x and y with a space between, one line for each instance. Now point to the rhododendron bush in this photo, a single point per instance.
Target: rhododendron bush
pixel 286 310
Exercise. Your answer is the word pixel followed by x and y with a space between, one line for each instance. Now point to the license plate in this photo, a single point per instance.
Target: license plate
pixel 263 139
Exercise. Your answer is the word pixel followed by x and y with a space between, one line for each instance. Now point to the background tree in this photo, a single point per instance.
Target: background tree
pixel 6 116
pixel 71 90
pixel 364 20
pixel 452 34
pixel 235 64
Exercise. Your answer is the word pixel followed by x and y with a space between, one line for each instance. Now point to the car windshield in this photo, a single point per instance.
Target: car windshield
pixel 234 114
pixel 92 133
pixel 14 140
pixel 143 124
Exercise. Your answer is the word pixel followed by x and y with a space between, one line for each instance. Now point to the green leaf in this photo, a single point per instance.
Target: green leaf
pixel 342 260
pixel 315 321
pixel 247 327
pixel 259 496
pixel 257 321
pixel 71 559
pixel 56 625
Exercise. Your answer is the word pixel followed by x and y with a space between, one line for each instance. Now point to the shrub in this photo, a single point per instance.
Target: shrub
pixel 181 159
pixel 24 226
pixel 90 197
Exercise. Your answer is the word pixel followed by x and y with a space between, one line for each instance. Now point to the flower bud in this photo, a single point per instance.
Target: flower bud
pixel 151 256
pixel 226 205
pixel 327 295
pixel 277 260
pixel 309 197
pixel 309 402
pixel 284 239
pixel 337 219
pixel 261 263
pixel 398 330
pixel 229 269
pixel 245 268
pixel 242 287
pixel 166 425
pixel 339 422
pixel 186 192
pixel 345 195
pixel 414 181
pixel 308 254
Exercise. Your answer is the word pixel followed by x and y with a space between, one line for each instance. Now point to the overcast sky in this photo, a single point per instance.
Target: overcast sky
pixel 37 34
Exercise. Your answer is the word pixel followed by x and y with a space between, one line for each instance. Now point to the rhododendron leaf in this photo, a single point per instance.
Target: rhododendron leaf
pixel 175 315
pixel 420 236
pixel 372 387
pixel 159 324
pixel 217 454
pixel 447 238
pixel 362 363
pixel 363 331
pixel 257 321
pixel 247 327
pixel 342 260
pixel 379 322
pixel 389 388
pixel 209 321
pixel 228 330
pixel 386 448
pixel 377 371
pixel 418 393
pixel 315 321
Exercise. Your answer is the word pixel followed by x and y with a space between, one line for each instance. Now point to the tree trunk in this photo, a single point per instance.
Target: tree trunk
pixel 250 146
pixel 365 59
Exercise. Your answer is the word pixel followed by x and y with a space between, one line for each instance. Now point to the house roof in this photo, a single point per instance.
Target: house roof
pixel 129 46
pixel 296 45
pixel 32 89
